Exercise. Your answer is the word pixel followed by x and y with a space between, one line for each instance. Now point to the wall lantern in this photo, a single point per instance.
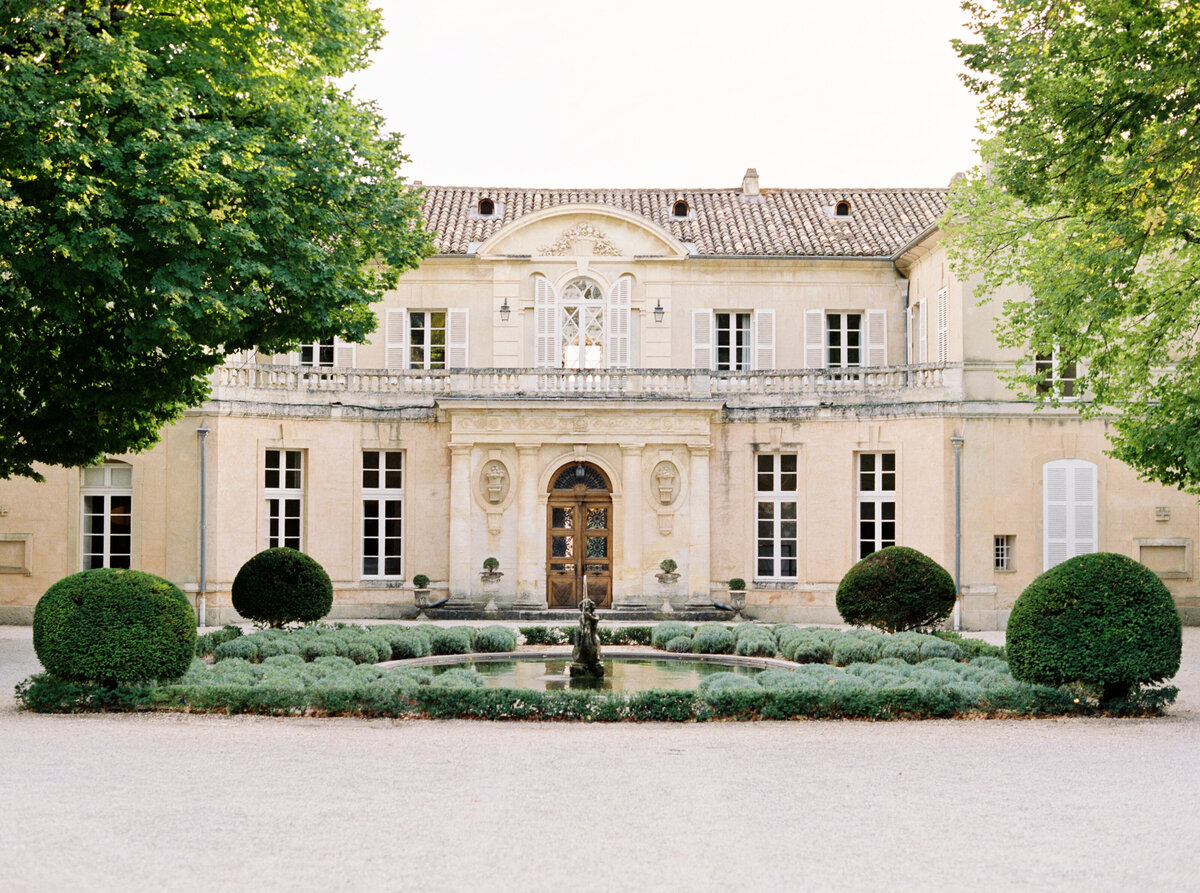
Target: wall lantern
pixel 658 311
pixel 505 310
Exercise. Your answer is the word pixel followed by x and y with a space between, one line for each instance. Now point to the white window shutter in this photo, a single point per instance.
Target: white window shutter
pixel 764 339
pixel 702 339
pixel 814 338
pixel 545 324
pixel 1069 510
pixel 343 354
pixel 922 330
pixel 619 303
pixel 456 338
pixel 1084 540
pixel 876 337
pixel 395 330
pixel 943 325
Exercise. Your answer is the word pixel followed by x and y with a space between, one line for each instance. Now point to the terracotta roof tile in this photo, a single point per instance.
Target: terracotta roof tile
pixel 785 222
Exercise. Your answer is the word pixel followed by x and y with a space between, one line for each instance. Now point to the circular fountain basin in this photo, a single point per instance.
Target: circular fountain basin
pixel 624 670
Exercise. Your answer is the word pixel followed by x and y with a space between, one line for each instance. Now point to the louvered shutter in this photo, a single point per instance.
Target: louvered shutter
pixel 764 339
pixel 343 354
pixel 456 339
pixel 619 302
pixel 545 324
pixel 876 337
pixel 395 329
pixel 814 338
pixel 1070 510
pixel 923 330
pixel 702 339
pixel 943 325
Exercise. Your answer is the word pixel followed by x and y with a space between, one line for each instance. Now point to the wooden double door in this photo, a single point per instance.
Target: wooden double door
pixel 579 528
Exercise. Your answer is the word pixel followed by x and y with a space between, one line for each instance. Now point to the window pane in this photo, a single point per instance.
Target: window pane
pixel 866 461
pixel 393 566
pixel 597 547
pixel 121 561
pixel 766 568
pixel 93 477
pixel 787 530
pixel 787 510
pixel 766 529
pixel 122 476
pixel 888 511
pixel 787 567
pixel 370 479
pixel 867 511
pixel 766 510
pixel 597 519
pixel 889 462
pixel 562 546
pixel 562 518
pixel 370 566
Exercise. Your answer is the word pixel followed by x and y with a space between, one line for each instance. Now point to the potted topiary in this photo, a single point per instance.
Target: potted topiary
pixel 737 593
pixel 490 578
pixel 667 580
pixel 421 591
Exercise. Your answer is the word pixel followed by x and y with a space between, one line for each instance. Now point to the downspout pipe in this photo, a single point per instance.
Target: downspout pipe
pixel 201 613
pixel 958 440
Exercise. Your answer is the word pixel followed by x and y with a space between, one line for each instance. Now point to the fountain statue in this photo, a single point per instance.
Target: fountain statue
pixel 585 658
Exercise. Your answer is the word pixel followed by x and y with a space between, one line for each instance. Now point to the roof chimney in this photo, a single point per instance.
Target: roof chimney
pixel 750 182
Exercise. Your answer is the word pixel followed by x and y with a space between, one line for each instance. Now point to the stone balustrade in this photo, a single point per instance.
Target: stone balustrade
pixel 802 387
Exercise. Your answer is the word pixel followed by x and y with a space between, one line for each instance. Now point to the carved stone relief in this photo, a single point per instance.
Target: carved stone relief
pixel 666 482
pixel 581 239
pixel 494 482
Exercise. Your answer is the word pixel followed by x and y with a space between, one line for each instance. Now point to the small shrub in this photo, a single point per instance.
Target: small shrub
pixel 109 626
pixel 680 645
pixel 458 677
pixel 933 647
pixel 853 649
pixel 668 566
pixel 756 642
pixel 971 647
pixel 450 640
pixel 284 660
pixel 318 648
pixel 807 649
pixel 713 638
pixel 420 581
pixel 547 635
pixel 1099 619
pixel 667 630
pixel 363 652
pixel 492 639
pixel 719 681
pixel 902 646
pixel 737 584
pixel 243 648
pixel 896 588
pixel 491 565
pixel 279 586
pixel 207 642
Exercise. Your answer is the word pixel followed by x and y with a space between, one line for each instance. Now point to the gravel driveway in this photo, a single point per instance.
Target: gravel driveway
pixel 172 802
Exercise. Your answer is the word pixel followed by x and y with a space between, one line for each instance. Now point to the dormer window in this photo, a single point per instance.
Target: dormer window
pixel 487 207
pixel 680 209
pixel 841 209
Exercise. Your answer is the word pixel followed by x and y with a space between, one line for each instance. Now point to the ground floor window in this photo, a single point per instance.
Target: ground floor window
pixel 284 489
pixel 107 492
pixel 383 513
pixel 876 502
pixel 776 516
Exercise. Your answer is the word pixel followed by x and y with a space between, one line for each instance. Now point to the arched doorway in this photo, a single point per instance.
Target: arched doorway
pixel 579 528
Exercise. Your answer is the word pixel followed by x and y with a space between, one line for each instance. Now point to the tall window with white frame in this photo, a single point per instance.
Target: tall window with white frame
pixel 733 341
pixel 318 354
pixel 843 340
pixel 427 339
pixel 776 519
pixel 283 486
pixel 876 502
pixel 107 492
pixel 383 513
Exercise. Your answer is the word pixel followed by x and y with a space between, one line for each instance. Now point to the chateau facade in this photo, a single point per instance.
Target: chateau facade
pixel 765 384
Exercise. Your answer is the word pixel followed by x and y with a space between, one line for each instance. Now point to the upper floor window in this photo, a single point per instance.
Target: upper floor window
pixel 680 209
pixel 107 494
pixel 581 327
pixel 487 207
pixel 1056 378
pixel 733 341
pixel 427 339
pixel 318 353
pixel 841 209
pixel 845 339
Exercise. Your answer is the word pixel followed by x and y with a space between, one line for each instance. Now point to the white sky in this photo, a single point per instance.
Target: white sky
pixel 675 94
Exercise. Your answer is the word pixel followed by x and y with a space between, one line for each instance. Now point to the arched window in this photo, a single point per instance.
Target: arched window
pixel 107 492
pixel 1069 516
pixel 842 209
pixel 680 209
pixel 486 207
pixel 581 327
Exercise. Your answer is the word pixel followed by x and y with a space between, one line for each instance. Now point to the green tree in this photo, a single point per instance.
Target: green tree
pixel 1089 194
pixel 180 179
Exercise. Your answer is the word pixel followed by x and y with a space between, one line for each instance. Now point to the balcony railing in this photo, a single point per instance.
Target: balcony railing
pixel 384 387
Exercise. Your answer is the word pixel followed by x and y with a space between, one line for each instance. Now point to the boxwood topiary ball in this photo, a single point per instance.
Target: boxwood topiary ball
pixel 896 588
pixel 108 625
pixel 279 586
pixel 1101 619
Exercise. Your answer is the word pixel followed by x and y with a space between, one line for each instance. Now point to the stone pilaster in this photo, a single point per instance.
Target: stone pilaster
pixel 531 532
pixel 460 524
pixel 627 585
pixel 699 574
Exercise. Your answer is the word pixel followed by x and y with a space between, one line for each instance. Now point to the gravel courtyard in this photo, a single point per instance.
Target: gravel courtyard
pixel 211 803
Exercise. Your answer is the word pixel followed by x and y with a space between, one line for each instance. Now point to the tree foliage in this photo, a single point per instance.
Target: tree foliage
pixel 1089 194
pixel 180 179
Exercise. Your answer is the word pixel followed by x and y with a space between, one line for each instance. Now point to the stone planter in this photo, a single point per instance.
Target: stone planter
pixel 490 583
pixel 421 600
pixel 737 599
pixel 667 586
